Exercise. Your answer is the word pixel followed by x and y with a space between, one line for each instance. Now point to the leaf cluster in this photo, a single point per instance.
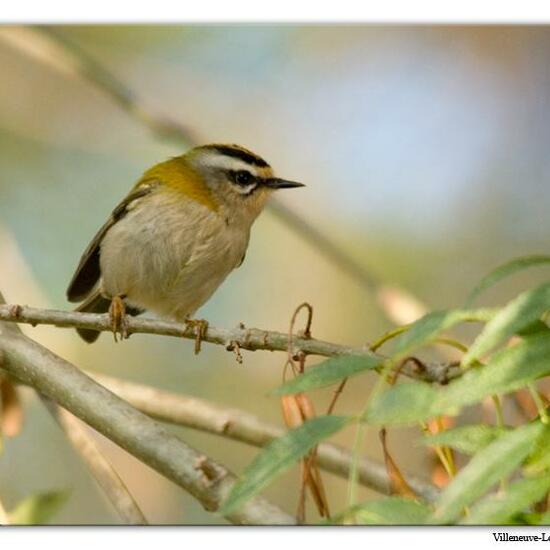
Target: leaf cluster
pixel 510 352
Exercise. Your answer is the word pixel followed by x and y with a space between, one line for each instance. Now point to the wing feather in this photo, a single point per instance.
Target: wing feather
pixel 88 272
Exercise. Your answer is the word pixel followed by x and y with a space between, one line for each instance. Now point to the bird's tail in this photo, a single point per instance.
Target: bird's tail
pixel 95 303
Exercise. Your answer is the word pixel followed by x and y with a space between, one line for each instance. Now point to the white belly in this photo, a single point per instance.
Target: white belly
pixel 173 261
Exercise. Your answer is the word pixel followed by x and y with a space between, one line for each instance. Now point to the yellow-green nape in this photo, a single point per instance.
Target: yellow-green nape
pixel 177 174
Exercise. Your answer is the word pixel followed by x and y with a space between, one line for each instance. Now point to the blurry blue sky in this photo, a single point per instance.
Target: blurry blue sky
pixel 413 127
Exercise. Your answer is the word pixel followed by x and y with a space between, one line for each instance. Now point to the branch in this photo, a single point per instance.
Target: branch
pixel 101 469
pixel 238 425
pixel 144 438
pixel 251 339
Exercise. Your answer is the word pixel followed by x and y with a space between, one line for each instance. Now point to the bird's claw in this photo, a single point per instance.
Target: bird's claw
pixel 200 326
pixel 118 318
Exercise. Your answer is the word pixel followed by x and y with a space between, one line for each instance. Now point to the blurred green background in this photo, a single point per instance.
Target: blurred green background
pixel 425 154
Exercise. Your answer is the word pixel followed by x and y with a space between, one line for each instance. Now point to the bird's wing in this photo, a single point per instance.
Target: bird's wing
pixel 87 273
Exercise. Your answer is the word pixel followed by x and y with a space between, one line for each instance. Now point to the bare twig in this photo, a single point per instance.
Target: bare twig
pixel 52 376
pixel 306 333
pixel 238 425
pixel 251 339
pixel 337 392
pixel 102 470
pixel 310 475
pixel 399 485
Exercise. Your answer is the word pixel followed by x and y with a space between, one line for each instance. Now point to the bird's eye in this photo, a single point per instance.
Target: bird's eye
pixel 242 177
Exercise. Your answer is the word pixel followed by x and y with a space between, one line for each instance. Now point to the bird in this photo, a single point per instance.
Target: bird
pixel 175 237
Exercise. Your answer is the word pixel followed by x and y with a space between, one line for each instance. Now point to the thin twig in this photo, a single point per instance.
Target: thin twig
pixel 247 338
pixel 305 407
pixel 399 485
pixel 337 393
pixel 238 425
pixel 101 469
pixel 299 355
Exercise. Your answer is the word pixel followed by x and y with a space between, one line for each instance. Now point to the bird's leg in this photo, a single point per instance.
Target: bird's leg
pixel 200 326
pixel 118 317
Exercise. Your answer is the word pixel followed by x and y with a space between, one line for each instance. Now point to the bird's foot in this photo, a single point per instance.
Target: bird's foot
pixel 118 317
pixel 200 327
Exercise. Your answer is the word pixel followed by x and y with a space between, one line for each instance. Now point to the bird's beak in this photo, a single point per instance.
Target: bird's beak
pixel 278 183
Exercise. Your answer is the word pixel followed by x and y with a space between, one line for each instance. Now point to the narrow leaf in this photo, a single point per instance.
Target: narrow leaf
pixel 494 462
pixel 466 439
pixel 505 270
pixel 431 325
pixel 518 314
pixel 509 370
pixel 38 509
pixel 501 507
pixel 539 461
pixel 402 404
pixel 538 519
pixel 538 327
pixel 279 455
pixel 328 372
pixel 387 511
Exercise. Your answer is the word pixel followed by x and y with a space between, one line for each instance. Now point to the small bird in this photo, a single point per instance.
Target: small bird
pixel 171 242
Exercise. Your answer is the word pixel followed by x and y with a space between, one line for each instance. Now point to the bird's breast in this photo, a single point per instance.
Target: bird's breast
pixel 169 255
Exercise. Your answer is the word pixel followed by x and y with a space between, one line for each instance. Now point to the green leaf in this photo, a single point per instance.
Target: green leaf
pixel 279 455
pixel 38 509
pixel 404 403
pixel 509 369
pixel 538 519
pixel 505 270
pixel 539 461
pixel 493 463
pixel 466 439
pixel 330 371
pixel 518 314
pixel 431 325
pixel 388 511
pixel 538 327
pixel 501 507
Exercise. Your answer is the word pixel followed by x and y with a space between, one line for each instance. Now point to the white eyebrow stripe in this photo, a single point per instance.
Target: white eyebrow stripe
pixel 222 162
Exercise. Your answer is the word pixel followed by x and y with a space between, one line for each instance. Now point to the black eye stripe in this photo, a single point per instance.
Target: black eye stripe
pixel 242 178
pixel 245 182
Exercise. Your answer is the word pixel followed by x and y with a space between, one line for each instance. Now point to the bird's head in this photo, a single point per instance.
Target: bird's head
pixel 239 180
